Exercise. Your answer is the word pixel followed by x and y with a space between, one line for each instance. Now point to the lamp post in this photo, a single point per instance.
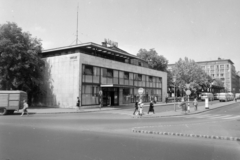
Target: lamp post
pixel 174 80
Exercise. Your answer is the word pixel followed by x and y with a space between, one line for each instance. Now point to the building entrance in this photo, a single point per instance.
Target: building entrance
pixel 110 96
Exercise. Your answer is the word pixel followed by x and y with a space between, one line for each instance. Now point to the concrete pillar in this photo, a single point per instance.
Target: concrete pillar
pixel 120 96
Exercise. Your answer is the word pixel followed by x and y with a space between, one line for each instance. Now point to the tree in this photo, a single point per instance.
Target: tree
pixel 155 61
pixel 218 82
pixel 20 65
pixel 189 72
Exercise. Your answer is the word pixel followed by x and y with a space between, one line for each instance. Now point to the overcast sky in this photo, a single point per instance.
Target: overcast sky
pixel 198 29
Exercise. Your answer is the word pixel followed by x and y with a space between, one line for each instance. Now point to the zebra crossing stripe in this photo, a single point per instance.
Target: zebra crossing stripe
pixel 214 116
pixel 232 117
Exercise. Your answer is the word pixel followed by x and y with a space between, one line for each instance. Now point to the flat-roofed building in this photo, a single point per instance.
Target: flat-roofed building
pixel 96 72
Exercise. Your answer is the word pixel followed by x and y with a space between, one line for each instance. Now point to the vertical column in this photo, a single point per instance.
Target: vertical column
pixel 120 96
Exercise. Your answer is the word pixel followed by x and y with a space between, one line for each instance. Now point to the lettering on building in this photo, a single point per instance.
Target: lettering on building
pixel 73 57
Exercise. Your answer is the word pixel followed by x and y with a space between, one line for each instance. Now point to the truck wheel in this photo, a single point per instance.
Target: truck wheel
pixel 3 111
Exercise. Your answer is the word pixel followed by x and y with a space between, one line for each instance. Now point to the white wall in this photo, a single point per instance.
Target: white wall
pixel 62 80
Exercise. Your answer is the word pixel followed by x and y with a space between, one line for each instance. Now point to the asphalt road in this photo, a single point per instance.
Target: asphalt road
pixel 109 136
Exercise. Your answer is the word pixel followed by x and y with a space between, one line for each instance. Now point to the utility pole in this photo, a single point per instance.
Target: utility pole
pixel 77 27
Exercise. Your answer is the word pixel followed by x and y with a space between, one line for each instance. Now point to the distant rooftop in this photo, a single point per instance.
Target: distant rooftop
pixel 218 60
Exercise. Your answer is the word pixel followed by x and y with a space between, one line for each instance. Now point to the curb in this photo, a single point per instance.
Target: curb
pixel 32 112
pixel 191 113
pixel 187 135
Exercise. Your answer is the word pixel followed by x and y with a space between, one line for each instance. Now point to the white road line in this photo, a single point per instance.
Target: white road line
pixel 209 116
pixel 232 117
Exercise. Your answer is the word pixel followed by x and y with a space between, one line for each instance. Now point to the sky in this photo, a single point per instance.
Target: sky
pixel 201 30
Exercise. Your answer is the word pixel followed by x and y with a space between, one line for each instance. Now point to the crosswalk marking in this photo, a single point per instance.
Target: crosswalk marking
pixel 213 116
pixel 232 117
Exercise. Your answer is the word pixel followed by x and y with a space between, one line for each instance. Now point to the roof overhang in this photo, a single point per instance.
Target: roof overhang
pixel 93 46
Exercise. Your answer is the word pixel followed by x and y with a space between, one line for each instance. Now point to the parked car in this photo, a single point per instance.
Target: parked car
pixel 216 96
pixel 11 101
pixel 231 96
pixel 225 97
pixel 207 95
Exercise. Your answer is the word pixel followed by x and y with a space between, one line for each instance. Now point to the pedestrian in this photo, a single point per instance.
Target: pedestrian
pixel 140 107
pixel 195 103
pixel 25 107
pixel 235 98
pixel 183 105
pixel 78 103
pixel 155 99
pixel 188 107
pixel 151 107
pixel 136 107
pixel 166 99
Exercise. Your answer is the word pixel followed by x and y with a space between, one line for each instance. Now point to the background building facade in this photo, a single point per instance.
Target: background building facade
pixel 98 72
pixel 222 69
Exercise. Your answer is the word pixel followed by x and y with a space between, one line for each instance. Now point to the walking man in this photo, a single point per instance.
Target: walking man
pixel 25 107
pixel 140 105
pixel 195 103
pixel 151 107
pixel 78 103
pixel 136 108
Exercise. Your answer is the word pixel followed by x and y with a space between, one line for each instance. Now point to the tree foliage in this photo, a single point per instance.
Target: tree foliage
pixel 20 65
pixel 155 61
pixel 218 82
pixel 189 72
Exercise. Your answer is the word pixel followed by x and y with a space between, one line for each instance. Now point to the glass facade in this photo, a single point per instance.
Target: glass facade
pixel 94 76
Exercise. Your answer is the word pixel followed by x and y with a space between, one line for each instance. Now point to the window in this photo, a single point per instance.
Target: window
pixel 107 73
pixel 139 63
pixel 140 77
pixel 126 75
pixel 150 79
pixel 227 66
pixel 88 70
pixel 221 66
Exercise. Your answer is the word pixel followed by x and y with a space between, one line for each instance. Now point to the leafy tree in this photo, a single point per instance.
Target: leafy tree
pixel 20 65
pixel 155 61
pixel 189 72
pixel 218 82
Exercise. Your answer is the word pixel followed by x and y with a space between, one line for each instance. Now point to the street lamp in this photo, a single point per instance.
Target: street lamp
pixel 174 80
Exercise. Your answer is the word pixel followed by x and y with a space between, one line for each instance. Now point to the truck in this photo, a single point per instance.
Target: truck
pixel 11 101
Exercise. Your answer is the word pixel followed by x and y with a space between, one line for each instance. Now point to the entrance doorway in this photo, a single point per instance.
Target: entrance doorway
pixel 110 96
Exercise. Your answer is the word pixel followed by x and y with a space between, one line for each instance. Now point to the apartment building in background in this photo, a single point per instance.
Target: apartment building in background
pixel 222 69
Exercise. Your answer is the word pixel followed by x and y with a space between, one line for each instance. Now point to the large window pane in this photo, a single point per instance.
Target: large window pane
pixel 115 74
pixel 90 95
pixel 115 80
pixel 88 78
pixel 96 71
pixel 88 70
pixel 95 79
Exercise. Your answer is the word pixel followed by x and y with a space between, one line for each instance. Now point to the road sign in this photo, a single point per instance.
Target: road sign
pixel 188 92
pixel 140 91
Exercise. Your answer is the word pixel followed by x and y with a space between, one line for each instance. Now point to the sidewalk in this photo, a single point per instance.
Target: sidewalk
pixel 179 112
pixel 86 109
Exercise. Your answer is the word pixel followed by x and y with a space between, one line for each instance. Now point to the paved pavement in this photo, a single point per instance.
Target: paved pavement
pixel 86 109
